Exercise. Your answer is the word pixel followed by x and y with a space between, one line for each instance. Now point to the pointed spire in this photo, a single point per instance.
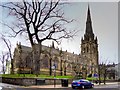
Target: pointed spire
pixel 20 43
pixel 82 39
pixel 61 51
pixel 88 15
pixel 53 46
pixel 17 43
pixel 96 39
pixel 61 48
pixel 89 31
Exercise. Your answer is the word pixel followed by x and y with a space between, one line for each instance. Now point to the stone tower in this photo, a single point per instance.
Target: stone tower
pixel 89 47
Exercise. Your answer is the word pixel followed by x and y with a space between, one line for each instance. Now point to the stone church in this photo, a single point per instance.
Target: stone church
pixel 66 63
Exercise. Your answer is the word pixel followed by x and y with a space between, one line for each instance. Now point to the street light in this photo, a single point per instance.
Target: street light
pixel 61 65
pixel 65 65
pixel 54 68
pixel 50 65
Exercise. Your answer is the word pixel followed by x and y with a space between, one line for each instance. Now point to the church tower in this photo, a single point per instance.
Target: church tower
pixel 89 47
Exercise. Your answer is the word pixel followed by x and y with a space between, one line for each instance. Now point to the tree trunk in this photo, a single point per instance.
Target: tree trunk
pixel 105 77
pixel 34 53
pixel 50 66
pixel 36 58
pixel 12 69
pixel 61 68
pixel 39 58
pixel 3 69
pixel 99 75
pixel 104 73
pixel 65 68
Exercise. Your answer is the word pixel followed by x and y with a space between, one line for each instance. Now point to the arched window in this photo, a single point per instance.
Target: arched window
pixel 55 62
pixel 45 62
pixel 28 62
pixel 87 49
pixel 83 50
pixel 69 68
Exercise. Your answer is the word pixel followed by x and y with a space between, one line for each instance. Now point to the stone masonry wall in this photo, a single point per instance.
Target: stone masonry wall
pixel 31 81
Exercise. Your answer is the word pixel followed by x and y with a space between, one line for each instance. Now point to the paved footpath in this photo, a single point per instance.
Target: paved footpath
pixel 59 86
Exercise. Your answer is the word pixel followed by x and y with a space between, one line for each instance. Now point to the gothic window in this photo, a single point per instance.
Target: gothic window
pixel 93 49
pixel 28 61
pixel 83 50
pixel 55 62
pixel 87 49
pixel 68 68
pixel 45 62
pixel 18 64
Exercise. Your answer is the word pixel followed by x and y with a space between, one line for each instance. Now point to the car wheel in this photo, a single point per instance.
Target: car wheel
pixel 92 86
pixel 83 87
pixel 73 87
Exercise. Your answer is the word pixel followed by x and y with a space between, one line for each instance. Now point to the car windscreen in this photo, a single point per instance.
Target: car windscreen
pixel 84 81
pixel 76 80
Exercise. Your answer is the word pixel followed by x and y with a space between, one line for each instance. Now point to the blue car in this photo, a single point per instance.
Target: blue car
pixel 82 83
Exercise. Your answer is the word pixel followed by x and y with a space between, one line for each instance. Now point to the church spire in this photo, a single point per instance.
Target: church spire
pixel 88 15
pixel 53 46
pixel 89 31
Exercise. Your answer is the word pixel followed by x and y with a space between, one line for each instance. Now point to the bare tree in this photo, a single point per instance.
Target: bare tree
pixel 76 69
pixel 8 44
pixel 41 20
pixel 105 72
pixel 61 62
pixel 102 70
pixel 4 58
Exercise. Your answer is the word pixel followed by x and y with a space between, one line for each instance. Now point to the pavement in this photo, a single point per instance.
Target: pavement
pixel 60 86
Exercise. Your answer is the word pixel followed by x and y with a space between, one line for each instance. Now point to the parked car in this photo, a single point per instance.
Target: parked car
pixel 82 83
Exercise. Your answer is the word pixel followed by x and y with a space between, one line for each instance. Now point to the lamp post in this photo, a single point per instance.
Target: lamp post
pixel 50 65
pixel 65 66
pixel 65 69
pixel 50 70
pixel 54 74
pixel 54 69
pixel 54 77
pixel 61 65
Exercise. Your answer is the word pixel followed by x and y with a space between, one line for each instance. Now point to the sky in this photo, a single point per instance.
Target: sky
pixel 105 27
pixel 104 22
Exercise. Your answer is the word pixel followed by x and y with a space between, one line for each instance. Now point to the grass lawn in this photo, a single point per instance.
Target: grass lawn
pixel 90 78
pixel 33 76
pixel 41 76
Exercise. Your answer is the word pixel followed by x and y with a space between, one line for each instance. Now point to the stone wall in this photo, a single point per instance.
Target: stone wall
pixel 58 81
pixel 32 81
pixel 19 81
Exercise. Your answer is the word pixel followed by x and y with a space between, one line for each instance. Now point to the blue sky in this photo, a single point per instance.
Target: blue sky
pixel 104 22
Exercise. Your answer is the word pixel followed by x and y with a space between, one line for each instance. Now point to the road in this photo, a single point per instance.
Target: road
pixel 8 86
pixel 109 86
pixel 97 87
